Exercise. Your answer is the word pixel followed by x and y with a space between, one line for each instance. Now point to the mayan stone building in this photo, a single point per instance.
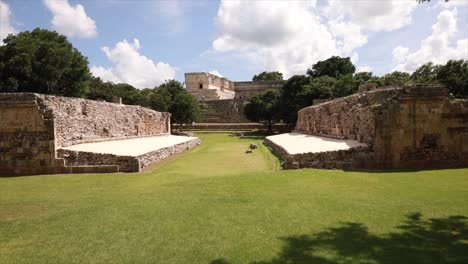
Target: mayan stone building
pixel 222 100
pixel 407 127
pixel 36 130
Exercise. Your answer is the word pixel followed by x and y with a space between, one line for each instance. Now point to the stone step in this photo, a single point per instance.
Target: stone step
pixel 94 169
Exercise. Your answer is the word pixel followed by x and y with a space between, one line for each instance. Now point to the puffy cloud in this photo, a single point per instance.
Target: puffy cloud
pixel 399 54
pixel 387 15
pixel 129 66
pixel 452 3
pixel 348 35
pixel 71 21
pixel 286 36
pixel 5 25
pixel 215 72
pixel 436 47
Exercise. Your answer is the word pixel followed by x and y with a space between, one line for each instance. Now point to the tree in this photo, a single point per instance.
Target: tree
pixel 396 78
pixel 172 97
pixel 42 61
pixel 362 77
pixel 454 75
pixel 319 88
pixel 264 107
pixel 344 86
pixel 333 67
pixel 426 74
pixel 268 76
pixel 292 97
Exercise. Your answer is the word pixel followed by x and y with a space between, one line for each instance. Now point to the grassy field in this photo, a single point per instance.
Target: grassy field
pixel 216 204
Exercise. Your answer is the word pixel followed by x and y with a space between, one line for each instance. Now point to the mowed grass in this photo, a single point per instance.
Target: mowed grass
pixel 217 204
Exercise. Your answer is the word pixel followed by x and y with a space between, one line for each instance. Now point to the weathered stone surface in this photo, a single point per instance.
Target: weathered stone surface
pixel 406 127
pixel 34 126
pixel 223 111
pixel 79 120
pixel 222 100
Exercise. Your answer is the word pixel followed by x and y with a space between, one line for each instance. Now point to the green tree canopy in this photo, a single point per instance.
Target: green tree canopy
pixel 333 67
pixel 268 76
pixel 42 61
pixel 396 78
pixel 292 97
pixel 454 75
pixel 264 107
pixel 425 74
pixel 172 97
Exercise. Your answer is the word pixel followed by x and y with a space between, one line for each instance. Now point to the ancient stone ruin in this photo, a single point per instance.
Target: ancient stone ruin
pixel 406 127
pixel 43 134
pixel 222 100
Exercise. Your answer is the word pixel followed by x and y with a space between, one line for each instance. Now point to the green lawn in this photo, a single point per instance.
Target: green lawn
pixel 217 204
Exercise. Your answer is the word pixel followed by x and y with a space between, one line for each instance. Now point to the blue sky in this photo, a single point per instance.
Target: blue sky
pixel 238 39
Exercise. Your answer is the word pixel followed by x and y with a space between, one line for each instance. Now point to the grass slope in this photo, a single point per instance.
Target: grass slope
pixel 216 204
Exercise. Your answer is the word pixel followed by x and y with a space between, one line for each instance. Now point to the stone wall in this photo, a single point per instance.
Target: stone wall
pixel 351 117
pixel 408 127
pixel 80 120
pixel 34 126
pixel 206 86
pixel 246 90
pixel 223 111
pixel 27 141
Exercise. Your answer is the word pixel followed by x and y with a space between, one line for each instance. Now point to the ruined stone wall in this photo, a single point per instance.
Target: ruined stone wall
pixel 351 117
pixel 246 90
pixel 223 111
pixel 206 86
pixel 422 128
pixel 80 120
pixel 408 127
pixel 34 126
pixel 27 143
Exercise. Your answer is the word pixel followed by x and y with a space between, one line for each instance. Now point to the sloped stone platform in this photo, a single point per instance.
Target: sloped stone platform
pixel 297 143
pixel 129 155
pixel 298 150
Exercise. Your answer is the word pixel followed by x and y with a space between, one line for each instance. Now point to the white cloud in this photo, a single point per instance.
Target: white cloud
pixel 382 15
pixel 285 36
pixel 129 66
pixel 348 35
pixel 71 21
pixel 436 47
pixel 452 3
pixel 399 54
pixel 5 24
pixel 215 72
pixel 364 69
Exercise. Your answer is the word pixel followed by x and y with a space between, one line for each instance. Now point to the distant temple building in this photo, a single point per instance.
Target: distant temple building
pixel 222 100
pixel 207 87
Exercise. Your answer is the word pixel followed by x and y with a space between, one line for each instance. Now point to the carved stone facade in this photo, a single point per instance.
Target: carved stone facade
pixel 206 86
pixel 407 127
pixel 213 91
pixel 33 127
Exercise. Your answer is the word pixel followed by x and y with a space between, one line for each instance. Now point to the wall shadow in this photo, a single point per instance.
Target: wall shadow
pixel 417 241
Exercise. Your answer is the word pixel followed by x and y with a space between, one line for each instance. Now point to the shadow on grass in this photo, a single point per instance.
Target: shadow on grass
pixel 438 240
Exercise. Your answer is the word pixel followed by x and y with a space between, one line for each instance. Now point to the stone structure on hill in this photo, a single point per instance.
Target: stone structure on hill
pixel 407 127
pixel 222 100
pixel 34 128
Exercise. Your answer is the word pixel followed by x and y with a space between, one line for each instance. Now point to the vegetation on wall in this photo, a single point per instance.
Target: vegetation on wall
pixel 268 76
